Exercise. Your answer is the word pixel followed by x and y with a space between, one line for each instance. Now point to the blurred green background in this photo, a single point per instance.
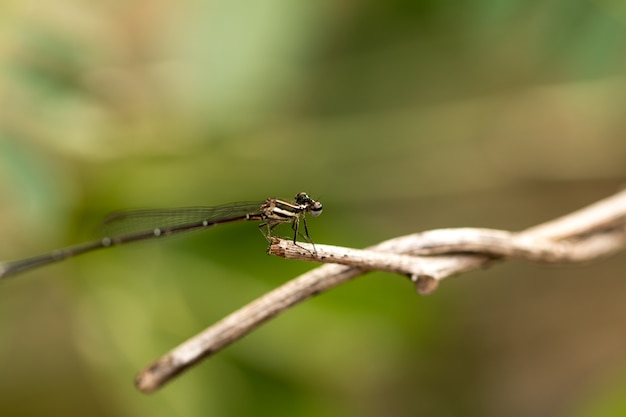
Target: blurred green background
pixel 399 116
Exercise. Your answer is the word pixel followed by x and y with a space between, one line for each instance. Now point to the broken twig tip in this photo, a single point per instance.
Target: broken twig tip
pixel 425 284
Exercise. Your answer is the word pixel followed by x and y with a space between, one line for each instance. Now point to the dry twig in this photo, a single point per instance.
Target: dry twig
pixel 591 233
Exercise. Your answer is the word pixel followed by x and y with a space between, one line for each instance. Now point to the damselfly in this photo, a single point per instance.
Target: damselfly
pixel 135 225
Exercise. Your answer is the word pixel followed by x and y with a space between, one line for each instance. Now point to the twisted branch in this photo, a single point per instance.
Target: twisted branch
pixel 427 258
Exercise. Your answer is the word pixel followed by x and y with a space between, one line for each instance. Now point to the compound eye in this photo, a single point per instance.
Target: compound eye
pixel 316 209
pixel 302 198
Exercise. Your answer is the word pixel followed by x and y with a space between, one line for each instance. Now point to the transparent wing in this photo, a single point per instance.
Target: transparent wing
pixel 137 221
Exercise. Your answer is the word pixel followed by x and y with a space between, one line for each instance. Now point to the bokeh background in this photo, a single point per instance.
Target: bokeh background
pixel 400 116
